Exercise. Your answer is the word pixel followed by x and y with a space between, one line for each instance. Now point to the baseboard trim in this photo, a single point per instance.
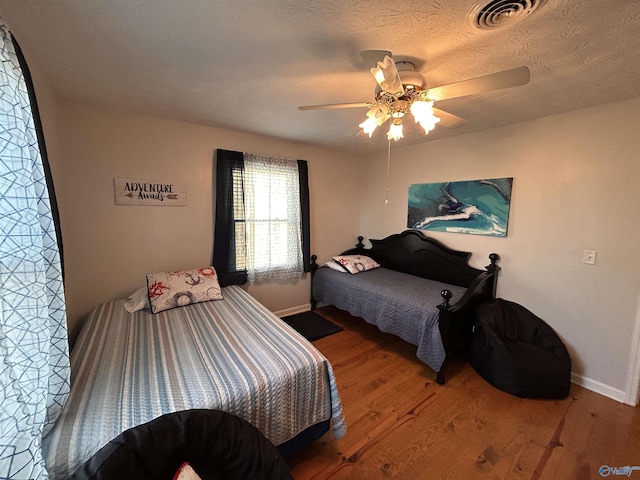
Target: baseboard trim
pixel 599 387
pixel 633 375
pixel 293 310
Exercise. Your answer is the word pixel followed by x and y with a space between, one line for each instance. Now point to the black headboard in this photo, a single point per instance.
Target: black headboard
pixel 413 253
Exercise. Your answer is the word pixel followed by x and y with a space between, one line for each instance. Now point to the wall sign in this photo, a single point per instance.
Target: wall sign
pixel 130 191
pixel 478 207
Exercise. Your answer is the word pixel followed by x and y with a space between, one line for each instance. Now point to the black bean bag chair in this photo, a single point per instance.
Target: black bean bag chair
pixel 217 445
pixel 519 353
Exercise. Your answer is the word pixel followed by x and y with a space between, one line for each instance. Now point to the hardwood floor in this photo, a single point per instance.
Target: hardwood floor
pixel 403 425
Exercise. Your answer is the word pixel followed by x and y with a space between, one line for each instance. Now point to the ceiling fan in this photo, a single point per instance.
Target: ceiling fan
pixel 402 90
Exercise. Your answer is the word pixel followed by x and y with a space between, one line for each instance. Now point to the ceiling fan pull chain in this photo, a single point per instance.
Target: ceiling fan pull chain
pixel 386 195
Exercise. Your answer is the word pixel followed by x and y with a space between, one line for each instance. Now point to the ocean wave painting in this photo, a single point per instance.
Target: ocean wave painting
pixel 479 207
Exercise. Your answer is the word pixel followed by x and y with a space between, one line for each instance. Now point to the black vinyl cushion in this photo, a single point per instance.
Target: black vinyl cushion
pixel 517 352
pixel 218 445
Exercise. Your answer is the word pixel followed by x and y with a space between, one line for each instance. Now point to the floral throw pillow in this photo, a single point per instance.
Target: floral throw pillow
pixel 177 289
pixel 356 263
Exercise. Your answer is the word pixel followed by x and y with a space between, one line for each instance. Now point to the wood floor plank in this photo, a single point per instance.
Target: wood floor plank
pixel 403 425
pixel 596 431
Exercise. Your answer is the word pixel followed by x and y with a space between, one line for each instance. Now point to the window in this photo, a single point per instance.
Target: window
pixel 261 218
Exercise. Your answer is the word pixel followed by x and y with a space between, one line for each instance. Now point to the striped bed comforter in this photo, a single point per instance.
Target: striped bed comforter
pixel 232 355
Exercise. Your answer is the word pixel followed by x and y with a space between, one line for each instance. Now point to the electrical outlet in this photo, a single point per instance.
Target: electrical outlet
pixel 589 257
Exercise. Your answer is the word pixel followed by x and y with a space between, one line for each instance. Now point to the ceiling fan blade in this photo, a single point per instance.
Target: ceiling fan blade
pixel 487 83
pixel 330 106
pixel 387 76
pixel 449 120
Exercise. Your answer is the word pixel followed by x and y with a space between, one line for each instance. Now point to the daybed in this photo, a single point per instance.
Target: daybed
pixel 423 292
pixel 230 354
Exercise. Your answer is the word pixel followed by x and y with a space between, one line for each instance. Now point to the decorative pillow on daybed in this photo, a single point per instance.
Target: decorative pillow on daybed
pixel 356 263
pixel 177 289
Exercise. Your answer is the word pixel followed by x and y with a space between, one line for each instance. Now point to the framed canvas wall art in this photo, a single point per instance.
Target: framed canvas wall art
pixel 479 207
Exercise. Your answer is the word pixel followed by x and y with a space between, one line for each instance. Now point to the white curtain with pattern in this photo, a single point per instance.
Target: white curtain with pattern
pixel 34 357
pixel 273 219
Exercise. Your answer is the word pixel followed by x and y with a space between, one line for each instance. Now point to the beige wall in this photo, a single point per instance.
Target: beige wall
pixel 110 248
pixel 575 188
pixel 575 179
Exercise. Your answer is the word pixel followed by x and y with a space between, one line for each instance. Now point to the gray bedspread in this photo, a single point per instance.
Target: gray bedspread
pixel 395 302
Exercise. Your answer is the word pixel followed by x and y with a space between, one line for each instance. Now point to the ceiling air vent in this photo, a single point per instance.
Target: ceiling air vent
pixel 501 13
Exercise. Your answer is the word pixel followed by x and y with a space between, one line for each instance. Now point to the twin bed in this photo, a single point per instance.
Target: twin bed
pixel 231 354
pixel 234 355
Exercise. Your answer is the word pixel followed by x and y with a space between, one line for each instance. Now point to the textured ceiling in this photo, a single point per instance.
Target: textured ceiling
pixel 248 64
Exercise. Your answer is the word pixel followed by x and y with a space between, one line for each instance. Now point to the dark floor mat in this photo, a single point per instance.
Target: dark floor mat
pixel 311 325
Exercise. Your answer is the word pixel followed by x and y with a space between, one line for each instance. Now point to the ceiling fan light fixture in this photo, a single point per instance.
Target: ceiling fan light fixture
pixel 421 110
pixel 429 124
pixel 395 129
pixel 369 126
pixel 386 74
pixel 376 116
pixel 401 90
pixel 380 112
pixel 423 114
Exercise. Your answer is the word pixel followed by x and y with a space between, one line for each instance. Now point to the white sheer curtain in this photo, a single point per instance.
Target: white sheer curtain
pixel 273 219
pixel 34 357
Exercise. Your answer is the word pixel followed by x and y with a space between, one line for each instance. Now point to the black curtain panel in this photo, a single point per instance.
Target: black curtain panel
pixel 305 215
pixel 226 225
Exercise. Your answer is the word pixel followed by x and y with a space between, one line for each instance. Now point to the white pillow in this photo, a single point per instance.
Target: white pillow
pixel 138 300
pixel 356 263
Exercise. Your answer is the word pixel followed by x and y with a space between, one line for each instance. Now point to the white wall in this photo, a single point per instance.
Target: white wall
pixel 575 188
pixel 110 248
